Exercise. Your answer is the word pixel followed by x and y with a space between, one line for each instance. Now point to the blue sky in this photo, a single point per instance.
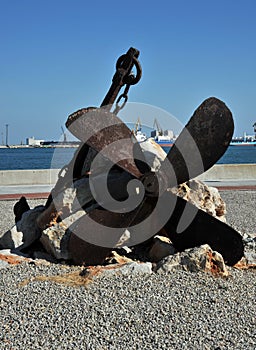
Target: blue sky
pixel 59 56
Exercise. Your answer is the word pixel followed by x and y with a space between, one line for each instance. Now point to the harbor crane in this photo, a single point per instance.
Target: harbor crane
pixel 64 135
pixel 158 128
pixel 137 126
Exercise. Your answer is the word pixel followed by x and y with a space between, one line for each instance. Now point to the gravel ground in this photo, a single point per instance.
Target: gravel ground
pixel 171 311
pixel 241 207
pixel 6 212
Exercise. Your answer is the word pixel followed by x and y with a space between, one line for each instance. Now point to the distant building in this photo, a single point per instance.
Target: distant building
pixel 166 134
pixel 31 141
pixel 169 133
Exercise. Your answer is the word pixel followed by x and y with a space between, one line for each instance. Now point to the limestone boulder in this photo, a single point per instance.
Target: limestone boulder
pixel 249 258
pixel 203 197
pixel 128 269
pixel 132 268
pixel 66 203
pixel 153 153
pixel 8 257
pixel 55 240
pixel 250 251
pixel 197 259
pixel 11 239
pixel 24 233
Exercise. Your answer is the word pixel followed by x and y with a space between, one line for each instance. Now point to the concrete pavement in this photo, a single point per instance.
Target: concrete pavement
pixel 42 191
pixel 38 183
pixel 233 184
pixel 33 191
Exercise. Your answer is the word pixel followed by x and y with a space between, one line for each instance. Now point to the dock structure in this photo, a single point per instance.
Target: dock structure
pixel 38 183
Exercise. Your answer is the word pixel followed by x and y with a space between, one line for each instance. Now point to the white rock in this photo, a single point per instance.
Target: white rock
pixel 3 264
pixel 203 197
pixel 9 257
pixel 201 258
pixel 73 197
pixel 11 239
pixel 24 233
pixel 127 269
pixel 153 153
pixel 250 251
pixel 55 240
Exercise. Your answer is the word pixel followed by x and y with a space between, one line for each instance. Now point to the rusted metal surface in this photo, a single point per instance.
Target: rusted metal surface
pixel 20 208
pixel 106 133
pixel 84 253
pixel 202 142
pixel 203 229
pixel 123 76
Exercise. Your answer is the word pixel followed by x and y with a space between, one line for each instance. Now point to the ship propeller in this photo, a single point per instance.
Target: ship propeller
pixel 138 203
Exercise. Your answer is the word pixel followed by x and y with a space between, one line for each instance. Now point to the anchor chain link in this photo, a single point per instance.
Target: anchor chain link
pixel 129 79
pixel 123 76
pixel 124 95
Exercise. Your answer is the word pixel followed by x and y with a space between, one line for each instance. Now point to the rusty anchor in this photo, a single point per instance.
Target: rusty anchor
pixel 202 142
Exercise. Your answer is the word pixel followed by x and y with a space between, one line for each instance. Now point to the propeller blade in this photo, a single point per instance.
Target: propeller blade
pixel 99 231
pixel 96 234
pixel 201 143
pixel 189 227
pixel 122 216
pixel 108 135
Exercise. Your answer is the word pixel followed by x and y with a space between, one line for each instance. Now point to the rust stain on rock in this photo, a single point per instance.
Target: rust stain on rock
pixel 243 265
pixel 13 260
pixel 215 266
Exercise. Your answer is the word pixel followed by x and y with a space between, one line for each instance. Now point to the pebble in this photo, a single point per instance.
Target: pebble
pixel 178 310
pixel 241 210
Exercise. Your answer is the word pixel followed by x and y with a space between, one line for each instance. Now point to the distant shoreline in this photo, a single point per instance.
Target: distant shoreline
pixel 55 156
pixel 42 146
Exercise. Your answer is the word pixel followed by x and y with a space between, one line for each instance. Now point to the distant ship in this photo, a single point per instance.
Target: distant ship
pixel 164 139
pixel 242 143
pixel 246 140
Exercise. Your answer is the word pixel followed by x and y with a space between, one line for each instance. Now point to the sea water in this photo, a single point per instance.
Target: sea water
pixel 56 158
pixel 35 158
